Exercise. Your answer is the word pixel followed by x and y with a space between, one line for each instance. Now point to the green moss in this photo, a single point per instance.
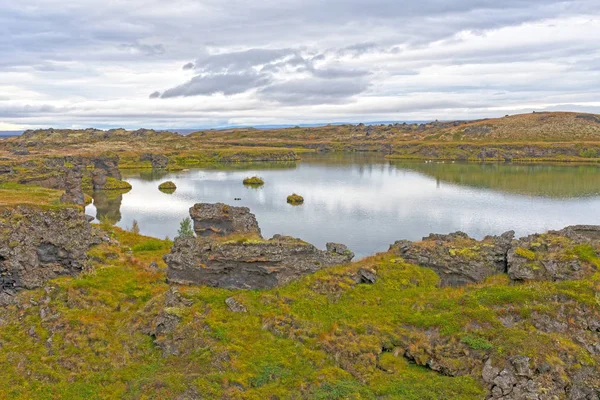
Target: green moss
pixel 525 253
pixel 151 245
pixel 295 199
pixel 476 343
pixel 254 181
pixel 467 252
pixel 167 187
pixel 323 336
pixel 111 184
pixel 12 194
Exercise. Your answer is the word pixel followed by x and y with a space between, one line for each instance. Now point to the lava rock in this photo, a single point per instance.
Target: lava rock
pixel 222 220
pixel 39 245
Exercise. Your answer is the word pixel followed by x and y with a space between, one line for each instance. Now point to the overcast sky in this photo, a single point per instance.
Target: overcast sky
pixel 203 63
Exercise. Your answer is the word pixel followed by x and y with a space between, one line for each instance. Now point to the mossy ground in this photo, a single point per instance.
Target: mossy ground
pixel 12 194
pixel 111 184
pixel 322 337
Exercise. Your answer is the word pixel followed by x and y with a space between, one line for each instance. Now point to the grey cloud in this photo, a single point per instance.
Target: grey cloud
pixel 145 49
pixel 19 111
pixel 154 95
pixel 286 54
pixel 313 91
pixel 227 84
pixel 240 61
pixel 238 72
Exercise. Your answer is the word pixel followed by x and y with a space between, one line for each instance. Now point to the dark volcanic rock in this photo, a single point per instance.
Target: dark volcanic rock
pixel 457 258
pixel 109 163
pixel 247 262
pixel 222 220
pixel 255 264
pixel 158 161
pixel 98 179
pixel 38 245
pixel 556 255
pixel 72 182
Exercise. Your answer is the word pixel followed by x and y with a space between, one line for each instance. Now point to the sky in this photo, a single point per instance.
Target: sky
pixel 211 63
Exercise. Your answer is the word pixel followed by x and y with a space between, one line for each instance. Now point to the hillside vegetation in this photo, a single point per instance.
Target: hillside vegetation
pixel 120 332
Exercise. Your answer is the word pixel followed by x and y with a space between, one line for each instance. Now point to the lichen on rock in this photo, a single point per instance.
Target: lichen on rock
pixel 41 244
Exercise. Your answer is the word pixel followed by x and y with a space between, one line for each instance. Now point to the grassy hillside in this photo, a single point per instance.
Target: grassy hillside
pixel 120 333
pixel 536 127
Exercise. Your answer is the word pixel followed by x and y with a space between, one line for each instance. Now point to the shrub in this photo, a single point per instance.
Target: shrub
pixel 588 153
pixel 135 227
pixel 476 343
pixel 185 227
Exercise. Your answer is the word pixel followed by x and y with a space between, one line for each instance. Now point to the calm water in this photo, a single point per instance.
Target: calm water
pixel 367 202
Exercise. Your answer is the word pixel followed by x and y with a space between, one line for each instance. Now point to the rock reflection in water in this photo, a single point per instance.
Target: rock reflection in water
pixel 108 205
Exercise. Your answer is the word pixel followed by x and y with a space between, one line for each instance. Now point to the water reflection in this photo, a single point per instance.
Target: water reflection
pixel 367 202
pixel 530 179
pixel 108 205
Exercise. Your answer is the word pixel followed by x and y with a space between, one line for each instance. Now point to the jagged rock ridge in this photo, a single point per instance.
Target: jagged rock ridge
pixel 249 262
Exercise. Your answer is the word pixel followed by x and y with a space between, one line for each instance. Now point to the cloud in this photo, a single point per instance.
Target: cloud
pixel 227 84
pixel 95 62
pixel 272 72
pixel 313 91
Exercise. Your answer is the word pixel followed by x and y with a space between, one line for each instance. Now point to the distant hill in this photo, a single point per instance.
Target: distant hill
pixel 543 126
pixel 10 133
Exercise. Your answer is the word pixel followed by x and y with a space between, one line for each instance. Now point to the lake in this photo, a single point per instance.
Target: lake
pixel 366 201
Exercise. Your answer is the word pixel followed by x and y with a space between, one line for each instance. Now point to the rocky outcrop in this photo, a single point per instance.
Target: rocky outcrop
pixel 222 220
pixel 457 258
pixel 73 186
pixel 256 264
pixel 568 254
pixel 158 161
pixel 246 260
pixel 557 255
pixel 38 245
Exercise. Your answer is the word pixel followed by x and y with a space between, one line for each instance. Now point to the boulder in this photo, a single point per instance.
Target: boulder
pixel 254 264
pixel 557 255
pixel 158 161
pixel 73 189
pixel 109 163
pixel 222 220
pixel 37 245
pixel 457 258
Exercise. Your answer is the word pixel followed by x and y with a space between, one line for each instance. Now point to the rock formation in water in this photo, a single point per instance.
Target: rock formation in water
pixel 458 259
pixel 222 220
pixel 38 245
pixel 246 261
